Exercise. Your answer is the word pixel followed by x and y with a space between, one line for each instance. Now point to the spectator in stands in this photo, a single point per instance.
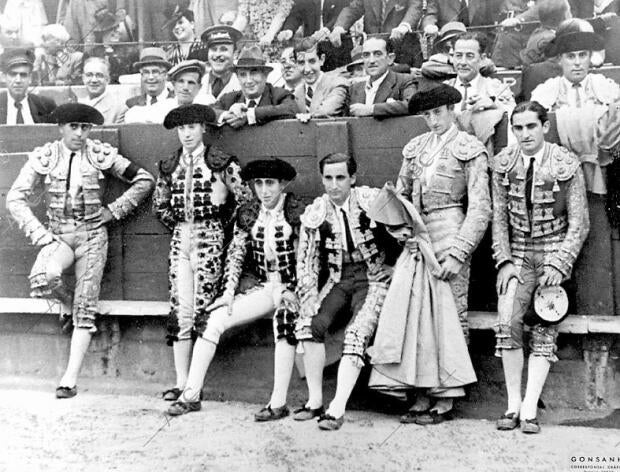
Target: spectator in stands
pixel 439 66
pixel 182 23
pixel 290 72
pixel 261 20
pixel 468 12
pixel 198 190
pixel 532 252
pixel 551 13
pixel 30 18
pixel 151 105
pixel 478 93
pixel 221 79
pixel 399 19
pixel 83 18
pixel 385 93
pixel 59 64
pixel 340 241
pixel 9 34
pixel 259 281
pixel 321 95
pixel 185 78
pixel 355 68
pixel 72 172
pixel 316 18
pixel 603 15
pixel 96 78
pixel 258 101
pixel 17 106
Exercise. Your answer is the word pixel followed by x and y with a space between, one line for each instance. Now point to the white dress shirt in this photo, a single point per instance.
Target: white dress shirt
pixel 573 91
pixel 251 113
pixel 346 208
pixel 11 111
pixel 538 157
pixel 474 89
pixel 75 179
pixel 372 87
pixel 151 112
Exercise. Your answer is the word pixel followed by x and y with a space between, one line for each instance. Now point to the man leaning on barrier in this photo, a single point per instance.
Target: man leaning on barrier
pixel 71 171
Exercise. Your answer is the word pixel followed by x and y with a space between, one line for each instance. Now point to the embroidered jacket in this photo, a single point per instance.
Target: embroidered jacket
pixel 48 166
pixel 206 197
pixel 459 178
pixel 559 221
pixel 321 235
pixel 597 89
pixel 247 251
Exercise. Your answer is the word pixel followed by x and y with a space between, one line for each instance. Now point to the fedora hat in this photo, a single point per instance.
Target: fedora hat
pixel 356 58
pixel 150 56
pixel 252 58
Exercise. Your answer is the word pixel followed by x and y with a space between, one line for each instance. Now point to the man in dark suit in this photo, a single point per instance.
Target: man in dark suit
pixel 399 18
pixel 313 17
pixel 258 102
pixel 468 12
pixel 385 93
pixel 18 107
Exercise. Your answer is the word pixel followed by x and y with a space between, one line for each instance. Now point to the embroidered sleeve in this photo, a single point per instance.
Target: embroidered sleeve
pixel 162 207
pixel 500 226
pixel 478 208
pixel 140 183
pixel 578 226
pixel 308 264
pixel 18 203
pixel 235 254
pixel 404 184
pixel 236 185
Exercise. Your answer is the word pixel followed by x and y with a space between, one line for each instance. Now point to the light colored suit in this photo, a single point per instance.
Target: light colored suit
pixel 329 98
pixel 108 105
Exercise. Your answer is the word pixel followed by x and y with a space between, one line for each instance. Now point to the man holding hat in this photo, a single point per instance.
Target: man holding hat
pixel 259 281
pixel 150 106
pixel 18 107
pixel 540 222
pixel 221 79
pixel 196 196
pixel 71 171
pixel 444 174
pixel 258 102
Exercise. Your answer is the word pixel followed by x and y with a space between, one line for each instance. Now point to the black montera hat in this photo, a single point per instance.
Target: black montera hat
pixel 77 113
pixel 574 41
pixel 188 114
pixel 442 94
pixel 268 169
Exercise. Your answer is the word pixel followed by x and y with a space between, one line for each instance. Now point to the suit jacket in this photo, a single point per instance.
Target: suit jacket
pixel 329 99
pixel 109 106
pixel 378 21
pixel 397 88
pixel 140 100
pixel 480 12
pixel 275 103
pixel 40 108
pixel 307 13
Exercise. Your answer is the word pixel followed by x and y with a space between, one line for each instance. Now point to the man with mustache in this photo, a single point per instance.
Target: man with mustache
pixel 18 107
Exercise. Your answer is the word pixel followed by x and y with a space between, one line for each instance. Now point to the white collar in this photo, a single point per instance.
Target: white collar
pixel 474 83
pixel 196 152
pixel 345 205
pixel 376 83
pixel 257 100
pixel 161 97
pixel 538 156
pixel 11 101
pixel 67 152
pixel 316 82
pixel 570 84
pixel 276 208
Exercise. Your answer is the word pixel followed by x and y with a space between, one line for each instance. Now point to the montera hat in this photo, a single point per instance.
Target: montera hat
pixel 189 114
pixel 220 34
pixel 192 65
pixel 442 94
pixel 152 56
pixel 252 58
pixel 16 57
pixel 574 41
pixel 268 169
pixel 77 113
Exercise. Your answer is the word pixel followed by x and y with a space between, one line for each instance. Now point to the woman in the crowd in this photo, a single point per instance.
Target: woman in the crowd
pixel 183 29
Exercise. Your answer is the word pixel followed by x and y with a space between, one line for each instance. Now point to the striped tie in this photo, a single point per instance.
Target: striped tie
pixel 309 95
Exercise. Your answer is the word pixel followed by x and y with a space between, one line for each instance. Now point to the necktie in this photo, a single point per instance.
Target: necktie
pixel 252 104
pixel 217 86
pixel 19 119
pixel 309 95
pixel 529 177
pixel 577 88
pixel 347 231
pixel 153 100
pixel 466 86
pixel 69 172
pixel 68 197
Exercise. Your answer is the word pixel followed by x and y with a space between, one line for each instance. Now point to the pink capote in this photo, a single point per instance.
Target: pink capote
pixel 419 341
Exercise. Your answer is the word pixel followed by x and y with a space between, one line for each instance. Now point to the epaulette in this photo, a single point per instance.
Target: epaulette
pixel 563 163
pixel 293 209
pixel 247 214
pixel 167 166
pixel 413 148
pixel 216 159
pixel 366 196
pixel 101 155
pixel 43 159
pixel 465 146
pixel 315 213
pixel 506 159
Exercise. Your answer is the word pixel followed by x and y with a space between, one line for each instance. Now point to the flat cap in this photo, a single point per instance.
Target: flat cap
pixel 188 114
pixel 16 57
pixel 574 41
pixel 220 34
pixel 442 94
pixel 191 65
pixel 77 113
pixel 268 169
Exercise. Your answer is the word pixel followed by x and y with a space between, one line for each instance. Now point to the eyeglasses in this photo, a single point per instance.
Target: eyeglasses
pixel 96 75
pixel 154 72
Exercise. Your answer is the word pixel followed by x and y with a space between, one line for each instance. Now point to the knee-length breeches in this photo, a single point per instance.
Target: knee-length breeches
pixel 515 304
pixel 88 250
pixel 266 299
pixel 195 271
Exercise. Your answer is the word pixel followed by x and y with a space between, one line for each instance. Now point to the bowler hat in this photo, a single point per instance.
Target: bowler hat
pixel 252 58
pixel 77 113
pixel 442 94
pixel 152 56
pixel 189 114
pixel 268 169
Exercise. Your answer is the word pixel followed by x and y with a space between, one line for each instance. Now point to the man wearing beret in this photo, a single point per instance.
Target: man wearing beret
pixel 221 79
pixel 339 239
pixel 151 105
pixel 258 102
pixel 18 107
pixel 71 171
pixel 444 174
pixel 259 281
pixel 196 196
